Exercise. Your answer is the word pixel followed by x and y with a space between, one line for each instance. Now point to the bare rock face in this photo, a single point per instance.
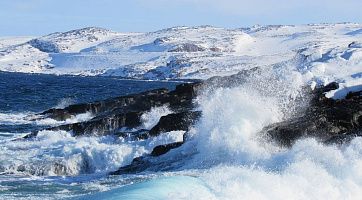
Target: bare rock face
pixel 146 162
pixel 328 120
pixel 162 149
pixel 103 125
pixel 175 121
pixel 113 114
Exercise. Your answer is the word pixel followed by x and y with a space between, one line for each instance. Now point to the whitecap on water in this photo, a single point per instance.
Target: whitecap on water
pixel 31 118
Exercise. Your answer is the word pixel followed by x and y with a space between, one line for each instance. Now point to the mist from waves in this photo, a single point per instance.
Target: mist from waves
pixel 233 160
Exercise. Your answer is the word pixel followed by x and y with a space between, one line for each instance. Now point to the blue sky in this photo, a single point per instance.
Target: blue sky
pixel 39 17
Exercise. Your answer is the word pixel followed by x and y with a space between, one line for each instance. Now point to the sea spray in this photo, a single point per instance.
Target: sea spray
pixel 151 118
pixel 234 116
pixel 230 122
pixel 64 102
pixel 54 153
pixel 307 171
pixel 236 163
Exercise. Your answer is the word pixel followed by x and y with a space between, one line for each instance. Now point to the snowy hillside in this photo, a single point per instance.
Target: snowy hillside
pixel 9 41
pixel 321 52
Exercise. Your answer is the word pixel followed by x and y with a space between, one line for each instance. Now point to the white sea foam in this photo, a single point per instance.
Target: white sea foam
pixel 308 171
pixel 14 118
pixel 232 118
pixel 230 123
pixel 73 119
pixel 150 118
pixel 58 153
pixel 28 118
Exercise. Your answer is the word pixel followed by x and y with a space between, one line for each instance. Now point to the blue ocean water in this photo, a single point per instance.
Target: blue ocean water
pixel 36 92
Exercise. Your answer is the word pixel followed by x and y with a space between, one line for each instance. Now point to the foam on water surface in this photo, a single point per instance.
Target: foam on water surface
pixel 54 153
pixel 174 187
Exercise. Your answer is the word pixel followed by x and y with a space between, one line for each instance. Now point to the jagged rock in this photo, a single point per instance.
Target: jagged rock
pixel 142 101
pixel 175 121
pixel 329 120
pixel 138 165
pixel 115 113
pixel 177 99
pixel 162 149
pixel 144 163
pixel 103 125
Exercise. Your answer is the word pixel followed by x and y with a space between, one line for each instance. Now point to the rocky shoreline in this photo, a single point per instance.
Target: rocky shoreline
pixel 326 119
pixel 329 121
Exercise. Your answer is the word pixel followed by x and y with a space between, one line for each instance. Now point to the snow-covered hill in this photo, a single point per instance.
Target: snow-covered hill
pixel 322 52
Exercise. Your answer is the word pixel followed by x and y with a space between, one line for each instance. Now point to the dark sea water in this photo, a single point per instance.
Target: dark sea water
pixel 36 92
pixel 30 93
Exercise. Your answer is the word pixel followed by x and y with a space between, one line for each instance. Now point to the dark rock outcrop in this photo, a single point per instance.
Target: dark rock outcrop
pixel 139 164
pixel 112 114
pixel 146 162
pixel 175 121
pixel 103 125
pixel 142 101
pixel 162 149
pixel 172 122
pixel 177 99
pixel 328 120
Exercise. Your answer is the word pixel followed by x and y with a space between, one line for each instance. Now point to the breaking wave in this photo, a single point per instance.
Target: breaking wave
pixel 56 153
pixel 30 118
pixel 233 161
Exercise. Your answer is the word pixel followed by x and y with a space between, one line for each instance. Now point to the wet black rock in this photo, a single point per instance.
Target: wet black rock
pixel 151 162
pixel 176 99
pixel 142 101
pixel 326 119
pixel 175 121
pixel 139 164
pixel 162 149
pixel 103 125
pixel 113 114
